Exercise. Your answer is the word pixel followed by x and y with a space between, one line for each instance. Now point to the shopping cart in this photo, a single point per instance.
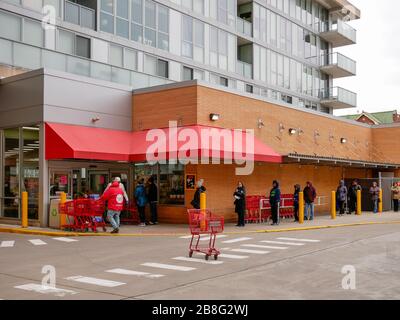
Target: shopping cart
pixel 203 222
pixel 83 215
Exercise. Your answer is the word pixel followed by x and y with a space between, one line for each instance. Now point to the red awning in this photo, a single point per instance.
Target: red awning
pixel 189 142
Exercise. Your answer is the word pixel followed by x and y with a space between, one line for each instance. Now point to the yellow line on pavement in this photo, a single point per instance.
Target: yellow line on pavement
pixel 17 230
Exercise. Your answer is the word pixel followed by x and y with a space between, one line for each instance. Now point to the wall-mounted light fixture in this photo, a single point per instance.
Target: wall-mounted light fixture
pixel 292 131
pixel 260 123
pixel 343 140
pixel 94 120
pixel 214 116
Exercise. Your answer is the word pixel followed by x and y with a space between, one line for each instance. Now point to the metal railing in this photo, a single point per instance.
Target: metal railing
pixel 80 15
pixel 340 60
pixel 244 27
pixel 244 69
pixel 339 94
pixel 341 27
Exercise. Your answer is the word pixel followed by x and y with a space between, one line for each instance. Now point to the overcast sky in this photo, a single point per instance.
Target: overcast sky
pixel 377 53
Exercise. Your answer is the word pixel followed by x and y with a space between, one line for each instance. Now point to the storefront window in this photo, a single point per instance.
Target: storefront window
pixel 60 182
pixel 31 169
pixel 11 166
pixel 172 184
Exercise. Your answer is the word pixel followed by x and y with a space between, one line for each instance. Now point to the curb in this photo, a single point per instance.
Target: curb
pixel 102 234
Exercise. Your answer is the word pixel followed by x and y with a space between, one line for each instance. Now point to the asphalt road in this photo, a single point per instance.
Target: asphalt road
pixel 253 266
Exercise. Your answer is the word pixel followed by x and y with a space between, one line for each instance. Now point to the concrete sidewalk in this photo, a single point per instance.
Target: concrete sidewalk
pixel 320 222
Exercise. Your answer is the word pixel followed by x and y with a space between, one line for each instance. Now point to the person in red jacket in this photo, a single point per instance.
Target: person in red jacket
pixel 115 198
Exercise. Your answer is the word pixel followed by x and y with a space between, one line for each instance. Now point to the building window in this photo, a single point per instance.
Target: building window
pixel 156 66
pixel 116 56
pixel 218 48
pixel 286 98
pixel 21 170
pixel 194 5
pixel 192 38
pixel 73 44
pixel 82 47
pixel 249 88
pixel 223 81
pixel 33 33
pixel 187 74
pixel 150 24
pixel 171 185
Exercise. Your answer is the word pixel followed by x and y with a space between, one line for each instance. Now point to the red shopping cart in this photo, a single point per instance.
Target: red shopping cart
pixel 203 222
pixel 83 215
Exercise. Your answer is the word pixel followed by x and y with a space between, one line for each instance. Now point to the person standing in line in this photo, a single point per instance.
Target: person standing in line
pixel 141 200
pixel 274 200
pixel 196 198
pixel 114 196
pixel 374 192
pixel 309 197
pixel 341 195
pixel 240 203
pixel 152 197
pixel 396 196
pixel 296 193
pixel 353 196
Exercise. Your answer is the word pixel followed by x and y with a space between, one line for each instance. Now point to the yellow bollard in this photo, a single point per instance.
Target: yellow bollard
pixel 24 218
pixel 301 207
pixel 203 206
pixel 63 217
pixel 359 203
pixel 380 204
pixel 333 205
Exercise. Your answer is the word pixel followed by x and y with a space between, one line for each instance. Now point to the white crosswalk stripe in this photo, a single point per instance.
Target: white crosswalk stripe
pixel 301 240
pixel 198 260
pixel 263 247
pixel 135 273
pixel 65 239
pixel 207 238
pixel 250 251
pixel 37 242
pixel 232 256
pixel 7 244
pixel 96 281
pixel 236 240
pixel 45 289
pixel 167 266
pixel 284 243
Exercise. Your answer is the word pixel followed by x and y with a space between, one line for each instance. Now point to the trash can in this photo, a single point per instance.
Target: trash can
pixel 54 216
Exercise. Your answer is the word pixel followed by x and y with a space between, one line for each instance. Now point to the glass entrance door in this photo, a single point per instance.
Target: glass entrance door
pixel 60 181
pixel 98 181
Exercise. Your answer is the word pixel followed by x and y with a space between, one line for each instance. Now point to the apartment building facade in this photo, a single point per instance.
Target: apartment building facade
pixel 277 49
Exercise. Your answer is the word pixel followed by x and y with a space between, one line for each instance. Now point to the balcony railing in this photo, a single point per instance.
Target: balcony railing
pixel 338 97
pixel 80 15
pixel 338 65
pixel 244 27
pixel 345 33
pixel 244 69
pixel 29 57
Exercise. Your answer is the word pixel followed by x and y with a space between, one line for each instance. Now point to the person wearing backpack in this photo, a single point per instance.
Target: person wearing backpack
pixel 114 196
pixel 141 200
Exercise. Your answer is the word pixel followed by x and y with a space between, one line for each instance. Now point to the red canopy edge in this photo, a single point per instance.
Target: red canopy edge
pixel 65 141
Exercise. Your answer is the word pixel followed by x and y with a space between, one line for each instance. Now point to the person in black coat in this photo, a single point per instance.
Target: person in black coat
pixel 274 200
pixel 196 198
pixel 240 203
pixel 152 197
pixel 296 193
